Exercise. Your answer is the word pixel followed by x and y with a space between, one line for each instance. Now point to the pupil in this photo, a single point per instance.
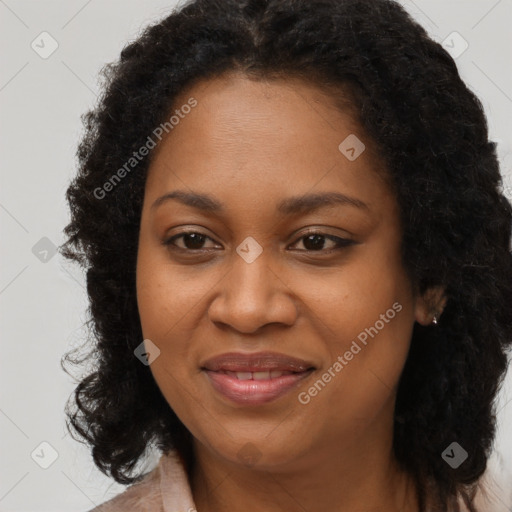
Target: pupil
pixel 193 240
pixel 317 242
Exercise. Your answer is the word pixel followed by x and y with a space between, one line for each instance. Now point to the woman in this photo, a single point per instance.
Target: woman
pixel 298 263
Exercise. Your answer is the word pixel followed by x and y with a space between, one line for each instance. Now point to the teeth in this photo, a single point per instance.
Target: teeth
pixel 258 375
pixel 243 375
pixel 261 375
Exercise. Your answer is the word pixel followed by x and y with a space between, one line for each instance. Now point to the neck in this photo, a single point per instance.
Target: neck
pixel 354 476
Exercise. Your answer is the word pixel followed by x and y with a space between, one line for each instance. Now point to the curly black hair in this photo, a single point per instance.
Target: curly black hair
pixel 432 134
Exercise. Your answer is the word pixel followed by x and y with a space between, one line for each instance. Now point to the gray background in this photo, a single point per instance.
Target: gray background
pixel 42 297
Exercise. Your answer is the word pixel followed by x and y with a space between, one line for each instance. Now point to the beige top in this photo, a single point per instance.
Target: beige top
pixel 166 489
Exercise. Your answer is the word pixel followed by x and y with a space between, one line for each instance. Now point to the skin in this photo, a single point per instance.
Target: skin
pixel 250 144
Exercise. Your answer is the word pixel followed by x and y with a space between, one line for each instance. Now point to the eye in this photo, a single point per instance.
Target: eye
pixel 315 241
pixel 191 240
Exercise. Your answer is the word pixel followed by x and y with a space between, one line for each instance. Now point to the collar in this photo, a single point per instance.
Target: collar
pixel 174 484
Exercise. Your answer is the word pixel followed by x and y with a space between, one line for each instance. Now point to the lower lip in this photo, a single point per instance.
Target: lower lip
pixel 254 392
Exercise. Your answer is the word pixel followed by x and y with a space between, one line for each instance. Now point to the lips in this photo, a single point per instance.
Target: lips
pixel 259 362
pixel 255 379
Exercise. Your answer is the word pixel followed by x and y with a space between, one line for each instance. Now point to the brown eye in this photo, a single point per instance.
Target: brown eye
pixel 316 242
pixel 191 240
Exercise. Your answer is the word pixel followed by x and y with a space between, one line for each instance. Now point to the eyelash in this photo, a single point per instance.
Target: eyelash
pixel 341 242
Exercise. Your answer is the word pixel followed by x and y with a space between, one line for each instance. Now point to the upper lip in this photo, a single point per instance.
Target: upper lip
pixel 260 361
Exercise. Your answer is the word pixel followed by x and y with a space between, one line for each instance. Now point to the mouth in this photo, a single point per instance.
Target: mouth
pixel 255 379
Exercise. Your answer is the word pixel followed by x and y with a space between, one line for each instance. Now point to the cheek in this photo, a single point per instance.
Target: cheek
pixel 167 302
pixel 171 301
pixel 344 301
pixel 167 294
pixel 364 314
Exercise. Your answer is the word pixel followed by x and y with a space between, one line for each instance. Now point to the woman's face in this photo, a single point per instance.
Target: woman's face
pixel 308 297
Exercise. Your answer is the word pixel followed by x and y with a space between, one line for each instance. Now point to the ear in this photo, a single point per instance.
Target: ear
pixel 431 303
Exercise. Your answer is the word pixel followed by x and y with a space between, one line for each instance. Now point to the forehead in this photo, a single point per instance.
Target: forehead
pixel 257 136
pixel 287 109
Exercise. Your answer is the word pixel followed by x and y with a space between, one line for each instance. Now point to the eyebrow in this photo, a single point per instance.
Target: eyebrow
pixel 289 206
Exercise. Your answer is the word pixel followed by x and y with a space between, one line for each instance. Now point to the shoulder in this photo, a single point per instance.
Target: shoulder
pixel 164 489
pixel 143 496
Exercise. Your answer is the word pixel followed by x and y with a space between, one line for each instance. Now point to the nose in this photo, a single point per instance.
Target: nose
pixel 252 295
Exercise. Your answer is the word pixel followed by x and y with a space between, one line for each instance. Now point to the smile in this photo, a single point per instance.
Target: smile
pixel 254 388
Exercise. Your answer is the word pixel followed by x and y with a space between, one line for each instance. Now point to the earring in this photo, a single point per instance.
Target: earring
pixel 434 321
